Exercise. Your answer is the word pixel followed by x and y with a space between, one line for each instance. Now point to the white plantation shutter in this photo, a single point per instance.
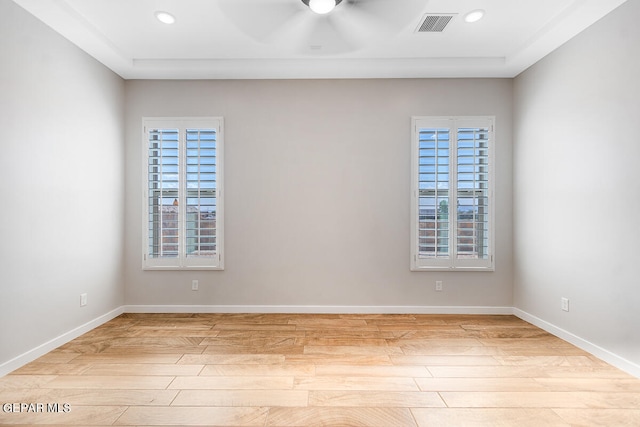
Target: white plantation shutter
pixel 434 145
pixel 183 194
pixel 452 206
pixel 201 198
pixel 472 194
pixel 163 184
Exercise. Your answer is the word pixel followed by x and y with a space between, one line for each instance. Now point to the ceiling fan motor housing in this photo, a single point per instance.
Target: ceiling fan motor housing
pixel 308 1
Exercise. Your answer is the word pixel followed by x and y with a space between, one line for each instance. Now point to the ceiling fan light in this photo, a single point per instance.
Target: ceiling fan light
pixel 322 7
pixel 165 17
pixel 474 16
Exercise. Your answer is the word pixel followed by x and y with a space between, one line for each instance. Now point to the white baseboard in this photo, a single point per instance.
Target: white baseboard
pixel 45 348
pixel 601 353
pixel 316 309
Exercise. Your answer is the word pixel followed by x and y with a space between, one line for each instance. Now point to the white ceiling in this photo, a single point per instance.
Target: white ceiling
pixel 249 39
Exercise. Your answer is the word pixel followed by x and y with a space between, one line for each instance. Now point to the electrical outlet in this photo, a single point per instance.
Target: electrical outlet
pixel 83 300
pixel 564 304
pixel 438 285
pixel 194 285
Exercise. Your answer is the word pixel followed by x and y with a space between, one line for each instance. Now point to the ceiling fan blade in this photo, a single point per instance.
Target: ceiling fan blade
pixel 390 16
pixel 324 38
pixel 355 24
pixel 356 29
pixel 262 19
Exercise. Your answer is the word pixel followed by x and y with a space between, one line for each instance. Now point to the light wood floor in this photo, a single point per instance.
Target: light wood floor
pixel 321 370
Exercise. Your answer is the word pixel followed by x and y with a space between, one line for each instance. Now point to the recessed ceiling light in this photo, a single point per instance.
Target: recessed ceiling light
pixel 165 17
pixel 474 15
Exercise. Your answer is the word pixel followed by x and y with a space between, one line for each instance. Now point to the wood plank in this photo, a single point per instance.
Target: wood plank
pixel 147 369
pixel 326 416
pixel 335 327
pixel 551 361
pixel 77 415
pixel 58 357
pixel 193 416
pixel 156 349
pixel 125 382
pixel 253 327
pixel 230 348
pixel 283 398
pixel 600 417
pixel 339 322
pixel 163 325
pixel 92 397
pixel 35 368
pixel 355 383
pixel 355 333
pixel 547 342
pixel 127 358
pixel 14 381
pixel 375 399
pixel 490 333
pixel 479 384
pixel 232 383
pixel 537 350
pixel 519 399
pixel 297 370
pixel 340 341
pixel 250 334
pixel 155 341
pixel 269 341
pixel 448 350
pixel 339 359
pixel 590 384
pixel 526 371
pixel 488 417
pixel 373 371
pixel 232 359
pixel 169 333
pixel 445 360
pixel 439 342
pixel 351 349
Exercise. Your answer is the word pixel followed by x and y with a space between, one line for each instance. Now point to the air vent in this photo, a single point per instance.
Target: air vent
pixel 435 23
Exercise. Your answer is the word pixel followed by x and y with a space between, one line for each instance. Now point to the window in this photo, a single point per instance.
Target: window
pixel 452 193
pixel 183 206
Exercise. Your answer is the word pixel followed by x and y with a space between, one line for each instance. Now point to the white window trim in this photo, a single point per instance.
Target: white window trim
pixel 181 262
pixel 450 263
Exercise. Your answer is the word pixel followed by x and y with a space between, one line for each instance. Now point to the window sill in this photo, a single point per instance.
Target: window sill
pixel 454 269
pixel 191 268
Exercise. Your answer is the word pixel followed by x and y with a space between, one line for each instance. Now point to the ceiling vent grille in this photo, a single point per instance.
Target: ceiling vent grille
pixel 435 23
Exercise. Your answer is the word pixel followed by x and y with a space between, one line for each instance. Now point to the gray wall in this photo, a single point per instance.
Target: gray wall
pixel 317 181
pixel 61 185
pixel 577 185
pixel 317 188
